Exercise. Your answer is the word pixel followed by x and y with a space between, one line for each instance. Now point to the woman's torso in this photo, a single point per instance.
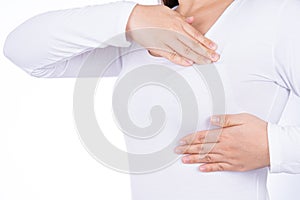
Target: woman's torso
pixel 245 35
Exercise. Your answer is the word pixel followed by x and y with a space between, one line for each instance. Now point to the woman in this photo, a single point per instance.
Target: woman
pixel 257 68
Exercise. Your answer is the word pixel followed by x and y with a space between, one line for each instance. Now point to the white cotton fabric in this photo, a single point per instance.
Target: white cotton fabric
pixel 259 68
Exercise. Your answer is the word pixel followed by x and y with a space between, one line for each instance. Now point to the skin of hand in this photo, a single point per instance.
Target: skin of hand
pixel 166 33
pixel 241 144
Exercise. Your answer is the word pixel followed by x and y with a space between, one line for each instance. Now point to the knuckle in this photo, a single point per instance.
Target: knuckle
pixel 225 120
pixel 208 158
pixel 208 52
pixel 172 56
pixel 241 168
pixel 200 138
pixel 220 167
pixel 187 51
pixel 206 41
pixel 201 59
pixel 181 60
pixel 197 45
pixel 197 35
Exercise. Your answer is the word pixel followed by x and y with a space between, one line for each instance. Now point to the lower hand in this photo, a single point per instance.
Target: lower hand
pixel 241 144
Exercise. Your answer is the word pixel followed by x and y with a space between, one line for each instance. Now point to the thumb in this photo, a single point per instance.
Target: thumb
pixel 227 120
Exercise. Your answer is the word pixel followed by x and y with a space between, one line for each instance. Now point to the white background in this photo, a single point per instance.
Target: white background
pixel 41 156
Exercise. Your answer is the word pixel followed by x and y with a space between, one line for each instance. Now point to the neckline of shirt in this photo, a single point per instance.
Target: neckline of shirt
pixel 210 33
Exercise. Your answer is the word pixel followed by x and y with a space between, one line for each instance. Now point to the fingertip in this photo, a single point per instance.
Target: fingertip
pixel 210 44
pixel 203 168
pixel 213 46
pixel 187 62
pixel 185 159
pixel 215 57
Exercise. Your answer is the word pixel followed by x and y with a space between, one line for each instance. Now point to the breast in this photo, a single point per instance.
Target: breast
pixel 174 180
pixel 179 96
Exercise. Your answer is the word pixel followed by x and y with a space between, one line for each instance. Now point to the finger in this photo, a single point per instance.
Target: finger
pixel 198 149
pixel 214 167
pixel 202 137
pixel 199 49
pixel 191 54
pixel 199 37
pixel 227 120
pixel 171 55
pixel 200 158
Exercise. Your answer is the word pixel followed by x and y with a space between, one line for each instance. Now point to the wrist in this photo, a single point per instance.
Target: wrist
pixel 147 16
pixel 135 14
pixel 267 164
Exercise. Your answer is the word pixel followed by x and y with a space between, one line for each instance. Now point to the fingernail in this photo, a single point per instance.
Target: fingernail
pixel 182 142
pixel 213 46
pixel 215 56
pixel 186 159
pixel 202 168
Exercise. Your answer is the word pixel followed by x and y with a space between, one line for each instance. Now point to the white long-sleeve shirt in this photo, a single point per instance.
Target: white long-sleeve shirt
pixel 258 61
pixel 55 44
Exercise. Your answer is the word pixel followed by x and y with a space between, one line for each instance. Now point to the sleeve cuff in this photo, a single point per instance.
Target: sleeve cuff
pixel 124 10
pixel 275 147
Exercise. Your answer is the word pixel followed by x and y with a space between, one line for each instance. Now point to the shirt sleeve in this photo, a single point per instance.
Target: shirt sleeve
pixel 284 142
pixel 286 51
pixel 61 43
pixel 284 145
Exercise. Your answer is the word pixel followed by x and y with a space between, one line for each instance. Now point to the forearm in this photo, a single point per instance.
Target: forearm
pixel 50 39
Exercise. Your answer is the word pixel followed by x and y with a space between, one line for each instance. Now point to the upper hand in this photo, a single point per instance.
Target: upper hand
pixel 166 33
pixel 241 144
